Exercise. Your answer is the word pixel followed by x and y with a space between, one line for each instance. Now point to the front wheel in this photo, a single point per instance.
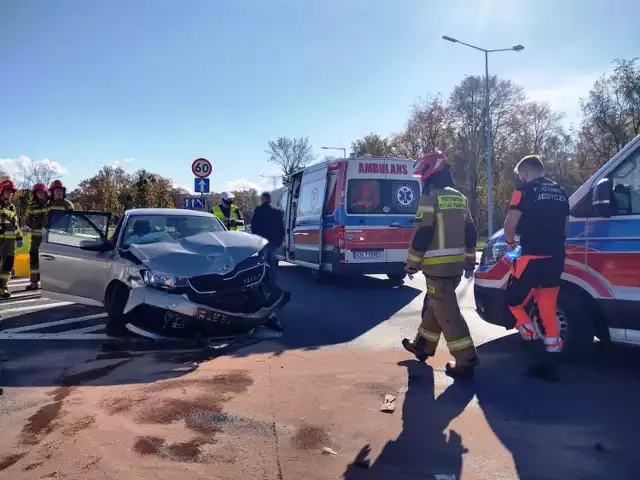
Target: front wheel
pixel 577 324
pixel 115 300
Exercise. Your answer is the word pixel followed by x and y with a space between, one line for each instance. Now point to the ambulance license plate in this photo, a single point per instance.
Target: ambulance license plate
pixel 367 255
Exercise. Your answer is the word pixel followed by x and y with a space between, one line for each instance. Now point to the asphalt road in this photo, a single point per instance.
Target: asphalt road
pixel 581 428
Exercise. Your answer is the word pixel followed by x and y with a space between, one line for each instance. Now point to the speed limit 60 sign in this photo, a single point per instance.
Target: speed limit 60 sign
pixel 201 167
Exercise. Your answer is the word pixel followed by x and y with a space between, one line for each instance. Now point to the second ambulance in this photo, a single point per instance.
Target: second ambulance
pixel 600 291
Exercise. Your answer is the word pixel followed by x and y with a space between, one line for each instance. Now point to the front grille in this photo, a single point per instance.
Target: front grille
pixel 233 281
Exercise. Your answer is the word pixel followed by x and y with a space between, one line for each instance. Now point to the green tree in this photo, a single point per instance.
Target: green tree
pixel 372 144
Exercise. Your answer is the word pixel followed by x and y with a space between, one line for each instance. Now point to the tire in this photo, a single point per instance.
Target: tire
pixel 318 276
pixel 576 315
pixel 115 300
pixel 396 277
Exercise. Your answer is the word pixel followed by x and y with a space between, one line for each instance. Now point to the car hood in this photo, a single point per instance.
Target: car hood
pixel 202 254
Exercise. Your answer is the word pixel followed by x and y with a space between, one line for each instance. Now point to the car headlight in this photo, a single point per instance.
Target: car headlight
pixel 161 280
pixel 494 250
pixel 261 256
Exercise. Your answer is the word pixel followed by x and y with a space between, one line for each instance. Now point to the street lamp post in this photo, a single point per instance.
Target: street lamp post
pixel 344 150
pixel 489 146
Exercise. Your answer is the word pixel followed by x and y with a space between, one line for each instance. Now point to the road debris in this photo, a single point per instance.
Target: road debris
pixel 329 451
pixel 389 404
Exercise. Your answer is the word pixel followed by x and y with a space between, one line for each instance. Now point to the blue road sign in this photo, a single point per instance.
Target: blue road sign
pixel 201 185
pixel 194 203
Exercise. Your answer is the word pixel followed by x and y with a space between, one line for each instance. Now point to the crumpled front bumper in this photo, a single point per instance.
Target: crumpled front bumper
pixel 206 314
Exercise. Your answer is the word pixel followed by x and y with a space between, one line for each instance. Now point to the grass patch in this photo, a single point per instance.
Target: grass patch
pixel 26 243
pixel 480 243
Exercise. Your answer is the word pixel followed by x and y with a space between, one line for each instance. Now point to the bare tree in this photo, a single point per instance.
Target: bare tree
pixel 36 172
pixel 291 154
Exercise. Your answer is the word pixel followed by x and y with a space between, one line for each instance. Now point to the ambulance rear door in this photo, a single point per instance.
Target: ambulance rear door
pixel 307 231
pixel 380 203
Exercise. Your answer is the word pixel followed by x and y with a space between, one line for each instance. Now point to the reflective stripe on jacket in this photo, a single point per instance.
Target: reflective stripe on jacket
pixel 9 229
pixel 37 217
pixel 442 220
pixel 233 211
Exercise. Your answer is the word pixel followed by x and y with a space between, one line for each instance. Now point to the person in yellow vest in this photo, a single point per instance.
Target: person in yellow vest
pixel 228 212
pixel 36 221
pixel 58 194
pixel 10 235
pixel 443 247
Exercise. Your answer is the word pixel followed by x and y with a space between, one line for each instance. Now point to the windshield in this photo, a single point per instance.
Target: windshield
pixel 382 197
pixel 141 229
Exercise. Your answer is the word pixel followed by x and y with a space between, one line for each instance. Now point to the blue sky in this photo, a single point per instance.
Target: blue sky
pixel 157 83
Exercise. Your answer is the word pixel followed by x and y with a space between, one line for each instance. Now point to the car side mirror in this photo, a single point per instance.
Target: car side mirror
pixel 602 198
pixel 95 245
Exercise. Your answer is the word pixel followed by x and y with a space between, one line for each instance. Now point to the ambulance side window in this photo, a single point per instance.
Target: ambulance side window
pixel 626 186
pixel 329 200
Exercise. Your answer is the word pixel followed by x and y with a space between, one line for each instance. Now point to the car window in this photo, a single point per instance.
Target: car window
pixel 141 229
pixel 71 228
pixel 382 197
pixel 626 186
pixel 282 201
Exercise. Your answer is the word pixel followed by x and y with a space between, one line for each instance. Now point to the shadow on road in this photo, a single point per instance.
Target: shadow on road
pixel 339 311
pixel 581 427
pixel 422 450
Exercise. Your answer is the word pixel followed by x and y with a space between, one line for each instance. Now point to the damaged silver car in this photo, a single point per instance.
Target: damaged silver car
pixel 162 273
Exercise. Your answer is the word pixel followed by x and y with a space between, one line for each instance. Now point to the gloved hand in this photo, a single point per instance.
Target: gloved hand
pixel 231 222
pixel 411 268
pixel 468 273
pixel 19 243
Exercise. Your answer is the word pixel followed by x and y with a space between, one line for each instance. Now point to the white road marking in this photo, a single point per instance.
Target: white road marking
pixel 54 324
pixel 92 328
pixel 54 336
pixel 36 307
pixel 19 283
pixel 24 294
pixel 17 302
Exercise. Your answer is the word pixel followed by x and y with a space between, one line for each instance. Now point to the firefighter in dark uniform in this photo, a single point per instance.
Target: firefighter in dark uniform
pixel 228 212
pixel 36 221
pixel 9 235
pixel 539 213
pixel 58 194
pixel 443 247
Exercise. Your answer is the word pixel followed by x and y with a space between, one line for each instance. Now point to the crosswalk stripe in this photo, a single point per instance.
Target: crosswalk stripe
pixel 55 336
pixel 19 283
pixel 24 294
pixel 65 321
pixel 36 307
pixel 92 328
pixel 18 302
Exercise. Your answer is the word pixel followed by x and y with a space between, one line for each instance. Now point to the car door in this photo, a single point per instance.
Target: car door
pixel 614 251
pixel 69 272
pixel 283 206
pixel 308 224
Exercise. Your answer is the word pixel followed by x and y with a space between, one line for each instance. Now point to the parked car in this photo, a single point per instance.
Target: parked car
pixel 600 290
pixel 162 273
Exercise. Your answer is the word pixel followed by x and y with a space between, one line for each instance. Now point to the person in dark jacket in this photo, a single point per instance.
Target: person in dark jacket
pixel 267 222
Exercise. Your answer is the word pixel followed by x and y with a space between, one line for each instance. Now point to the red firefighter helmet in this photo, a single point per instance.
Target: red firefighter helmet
pixel 429 165
pixel 39 186
pixel 56 184
pixel 7 185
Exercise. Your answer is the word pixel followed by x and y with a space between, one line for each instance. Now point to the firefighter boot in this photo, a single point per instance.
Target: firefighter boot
pixel 32 286
pixel 465 372
pixel 417 348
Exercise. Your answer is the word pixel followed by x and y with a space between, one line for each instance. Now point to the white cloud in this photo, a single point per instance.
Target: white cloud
pixel 242 184
pixel 15 166
pixel 562 92
pixel 122 163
